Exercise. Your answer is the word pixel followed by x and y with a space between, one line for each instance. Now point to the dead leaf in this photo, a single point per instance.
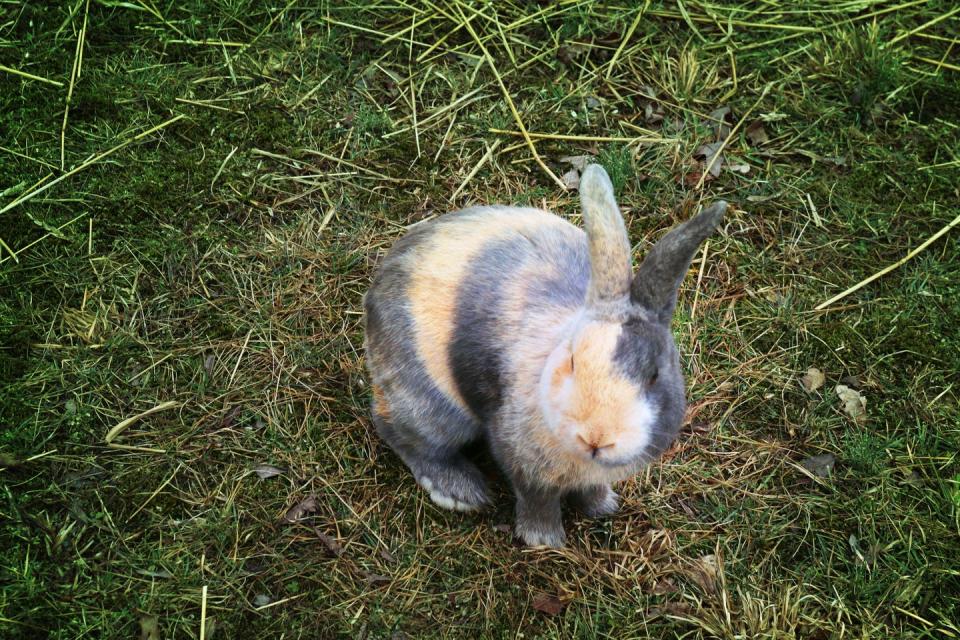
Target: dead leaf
pixel 854 403
pixel 718 120
pixel 756 134
pixel 550 605
pixel 208 363
pixel 740 167
pixel 821 465
pixel 663 587
pixel 386 555
pixel 712 157
pixel 261 600
pixel 704 573
pixel 577 162
pixel 231 417
pixel 305 507
pixel 502 528
pixel 149 627
pixel 813 379
pixel 571 179
pixel 329 542
pixel 691 179
pixel 265 471
pixel 374 578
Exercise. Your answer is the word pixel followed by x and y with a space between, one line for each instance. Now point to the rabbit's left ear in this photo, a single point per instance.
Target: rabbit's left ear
pixel 658 279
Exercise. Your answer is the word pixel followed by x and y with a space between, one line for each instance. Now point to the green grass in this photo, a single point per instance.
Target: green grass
pixel 220 262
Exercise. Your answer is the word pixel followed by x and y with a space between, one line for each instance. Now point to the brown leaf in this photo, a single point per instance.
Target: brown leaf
pixel 571 179
pixel 305 507
pixel 149 627
pixel 813 379
pixel 718 120
pixel 756 134
pixel 550 605
pixel 231 417
pixel 577 162
pixel 854 403
pixel 711 153
pixel 265 471
pixel 329 542
pixel 386 555
pixel 704 573
pixel 664 586
pixel 821 465
pixel 374 578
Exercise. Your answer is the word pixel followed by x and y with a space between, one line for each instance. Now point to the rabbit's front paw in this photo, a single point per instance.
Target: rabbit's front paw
pixel 541 534
pixel 596 502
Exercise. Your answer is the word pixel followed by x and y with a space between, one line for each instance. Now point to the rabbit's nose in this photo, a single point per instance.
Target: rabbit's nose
pixel 593 446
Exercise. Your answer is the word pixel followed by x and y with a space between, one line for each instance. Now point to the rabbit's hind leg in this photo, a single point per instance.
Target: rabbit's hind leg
pixel 452 481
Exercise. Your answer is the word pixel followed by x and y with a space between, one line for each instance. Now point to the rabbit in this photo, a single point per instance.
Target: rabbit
pixel 512 325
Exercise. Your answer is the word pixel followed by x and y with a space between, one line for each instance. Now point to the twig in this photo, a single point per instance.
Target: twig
pixel 578 138
pixel 29 76
pixel 476 168
pixel 626 38
pixel 163 406
pixel 95 159
pixel 74 75
pixel 886 270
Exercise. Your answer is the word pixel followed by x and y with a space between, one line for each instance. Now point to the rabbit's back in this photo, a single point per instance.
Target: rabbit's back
pixel 461 303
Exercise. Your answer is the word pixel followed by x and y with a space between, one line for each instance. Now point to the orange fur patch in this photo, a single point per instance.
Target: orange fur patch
pixel 602 397
pixel 380 405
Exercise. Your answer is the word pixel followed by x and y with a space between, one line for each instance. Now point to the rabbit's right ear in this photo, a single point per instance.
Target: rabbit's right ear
pixel 655 286
pixel 607 236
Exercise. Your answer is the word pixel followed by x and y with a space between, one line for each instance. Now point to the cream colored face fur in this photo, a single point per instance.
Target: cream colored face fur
pixel 593 410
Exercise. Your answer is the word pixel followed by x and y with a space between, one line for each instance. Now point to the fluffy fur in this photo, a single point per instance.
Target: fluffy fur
pixel 513 325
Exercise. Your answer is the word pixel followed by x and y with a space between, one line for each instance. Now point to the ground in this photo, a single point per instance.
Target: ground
pixel 194 237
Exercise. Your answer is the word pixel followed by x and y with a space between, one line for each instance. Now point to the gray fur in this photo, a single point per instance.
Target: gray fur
pixel 659 276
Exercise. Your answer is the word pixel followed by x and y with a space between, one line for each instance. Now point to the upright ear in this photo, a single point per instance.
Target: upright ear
pixel 658 279
pixel 607 237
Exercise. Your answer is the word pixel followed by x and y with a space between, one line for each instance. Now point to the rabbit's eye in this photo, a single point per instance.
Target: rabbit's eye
pixel 653 378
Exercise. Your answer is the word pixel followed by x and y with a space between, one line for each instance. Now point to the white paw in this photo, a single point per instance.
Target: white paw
pixel 446 501
pixel 541 538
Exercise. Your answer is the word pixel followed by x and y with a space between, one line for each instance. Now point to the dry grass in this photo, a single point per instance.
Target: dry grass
pixel 191 211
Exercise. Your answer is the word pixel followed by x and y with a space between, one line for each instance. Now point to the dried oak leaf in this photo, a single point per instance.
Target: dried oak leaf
pixel 329 542
pixel 550 605
pixel 577 162
pixel 571 179
pixel 756 134
pixel 718 120
pixel 813 379
pixel 704 573
pixel 303 508
pixel 854 403
pixel 712 157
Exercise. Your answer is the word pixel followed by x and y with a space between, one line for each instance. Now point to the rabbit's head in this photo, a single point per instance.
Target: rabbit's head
pixel 612 392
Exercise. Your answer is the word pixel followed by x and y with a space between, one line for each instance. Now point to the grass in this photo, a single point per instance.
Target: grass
pixel 217 264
